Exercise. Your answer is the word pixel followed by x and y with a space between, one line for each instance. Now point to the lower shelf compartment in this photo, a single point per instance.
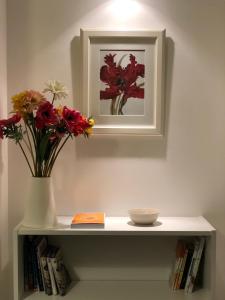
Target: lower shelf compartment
pixel 121 290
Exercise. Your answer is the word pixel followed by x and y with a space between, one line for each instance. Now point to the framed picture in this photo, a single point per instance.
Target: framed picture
pixel 123 81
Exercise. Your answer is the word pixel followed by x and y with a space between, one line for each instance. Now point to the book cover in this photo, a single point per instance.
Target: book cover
pixel 88 220
pixel 178 285
pixel 198 283
pixel 51 253
pixel 40 248
pixel 60 272
pixel 31 266
pixel 46 275
pixel 36 264
pixel 26 264
pixel 196 265
pixel 180 248
pixel 190 248
pixel 194 256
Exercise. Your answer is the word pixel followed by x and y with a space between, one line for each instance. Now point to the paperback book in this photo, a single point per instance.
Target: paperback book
pixel 88 220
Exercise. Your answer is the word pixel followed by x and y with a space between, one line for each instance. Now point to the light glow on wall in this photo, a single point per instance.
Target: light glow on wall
pixel 124 9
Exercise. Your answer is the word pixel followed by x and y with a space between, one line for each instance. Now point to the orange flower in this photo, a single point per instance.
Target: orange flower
pixel 27 101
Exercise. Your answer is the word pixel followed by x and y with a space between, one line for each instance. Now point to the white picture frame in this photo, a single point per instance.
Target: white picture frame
pixel 109 61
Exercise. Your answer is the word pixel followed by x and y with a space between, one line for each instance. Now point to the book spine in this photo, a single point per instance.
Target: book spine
pixel 61 275
pixel 25 264
pixel 176 275
pixel 172 277
pixel 29 265
pixel 196 265
pixel 40 275
pixel 40 248
pixel 191 266
pixel 36 269
pixel 182 269
pixel 52 278
pixel 180 250
pixel 187 265
pixel 46 275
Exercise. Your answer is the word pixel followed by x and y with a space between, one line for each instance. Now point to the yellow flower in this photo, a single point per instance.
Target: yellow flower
pixel 89 130
pixel 59 110
pixel 91 122
pixel 18 102
pixel 25 102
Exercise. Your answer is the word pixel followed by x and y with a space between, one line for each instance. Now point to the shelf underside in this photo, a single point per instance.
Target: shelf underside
pixel 120 290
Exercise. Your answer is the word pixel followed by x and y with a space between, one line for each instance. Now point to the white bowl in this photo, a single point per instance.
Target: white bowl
pixel 143 216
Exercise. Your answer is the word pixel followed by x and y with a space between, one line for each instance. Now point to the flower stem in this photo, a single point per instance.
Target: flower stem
pixel 118 104
pixel 55 155
pixel 26 158
pixel 31 148
pixel 53 150
pixel 112 107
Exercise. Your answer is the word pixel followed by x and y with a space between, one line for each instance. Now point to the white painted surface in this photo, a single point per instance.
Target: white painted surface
pixel 132 290
pixel 5 278
pixel 119 261
pixel 181 175
pixel 124 226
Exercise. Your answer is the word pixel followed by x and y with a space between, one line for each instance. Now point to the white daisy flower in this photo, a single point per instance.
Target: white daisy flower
pixel 56 88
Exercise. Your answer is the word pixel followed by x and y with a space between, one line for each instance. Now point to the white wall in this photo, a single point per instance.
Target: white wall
pixel 4 236
pixel 181 175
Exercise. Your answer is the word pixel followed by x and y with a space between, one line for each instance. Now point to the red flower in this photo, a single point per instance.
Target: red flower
pixel 1 132
pixel 81 126
pixel 10 121
pixel 45 115
pixel 71 118
pixel 121 81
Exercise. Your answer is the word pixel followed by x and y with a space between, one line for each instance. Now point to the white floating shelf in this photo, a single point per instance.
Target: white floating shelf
pixel 123 226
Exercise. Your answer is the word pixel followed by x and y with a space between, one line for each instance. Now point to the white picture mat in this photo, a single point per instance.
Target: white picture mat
pixel 95 85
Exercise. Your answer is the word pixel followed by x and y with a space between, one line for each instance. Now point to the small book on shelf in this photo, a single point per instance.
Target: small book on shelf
pixel 60 272
pixel 190 250
pixel 180 252
pixel 194 256
pixel 46 274
pixel 52 250
pixel 195 265
pixel 88 220
pixel 40 248
pixel 182 266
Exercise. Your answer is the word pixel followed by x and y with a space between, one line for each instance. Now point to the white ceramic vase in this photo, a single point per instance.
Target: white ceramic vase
pixel 40 204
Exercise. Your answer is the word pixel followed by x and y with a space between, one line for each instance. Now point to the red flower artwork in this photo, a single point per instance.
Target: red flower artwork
pixel 121 82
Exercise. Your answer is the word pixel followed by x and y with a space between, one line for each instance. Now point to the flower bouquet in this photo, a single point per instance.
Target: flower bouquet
pixel 41 129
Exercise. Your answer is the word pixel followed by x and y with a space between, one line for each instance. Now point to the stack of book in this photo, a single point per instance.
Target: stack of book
pixel 187 272
pixel 44 269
